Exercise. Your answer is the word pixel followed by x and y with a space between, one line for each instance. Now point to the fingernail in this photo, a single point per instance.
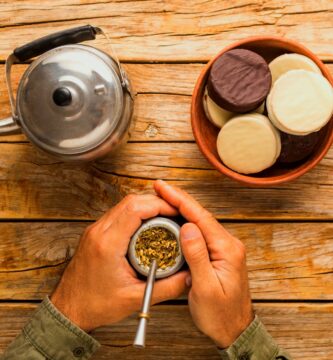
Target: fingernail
pixel 188 281
pixel 160 182
pixel 190 231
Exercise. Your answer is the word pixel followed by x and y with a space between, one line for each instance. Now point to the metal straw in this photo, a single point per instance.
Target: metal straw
pixel 140 337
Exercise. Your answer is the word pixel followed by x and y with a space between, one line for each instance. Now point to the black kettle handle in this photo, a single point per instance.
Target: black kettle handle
pixel 69 36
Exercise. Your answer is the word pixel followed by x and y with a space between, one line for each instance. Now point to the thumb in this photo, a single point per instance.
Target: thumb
pixel 195 252
pixel 169 288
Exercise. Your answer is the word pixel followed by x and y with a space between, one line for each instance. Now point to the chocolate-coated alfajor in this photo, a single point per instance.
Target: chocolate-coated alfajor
pixel 239 80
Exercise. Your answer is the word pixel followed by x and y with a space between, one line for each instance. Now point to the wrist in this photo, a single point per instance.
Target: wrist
pixel 70 310
pixel 254 340
pixel 226 340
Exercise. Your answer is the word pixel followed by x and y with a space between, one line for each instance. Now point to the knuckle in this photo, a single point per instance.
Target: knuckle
pixel 198 253
pixel 99 246
pixel 90 231
pixel 241 247
pixel 207 216
pixel 240 252
pixel 95 241
pixel 130 198
pixel 133 206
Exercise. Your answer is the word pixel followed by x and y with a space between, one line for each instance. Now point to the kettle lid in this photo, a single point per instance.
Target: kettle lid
pixel 70 99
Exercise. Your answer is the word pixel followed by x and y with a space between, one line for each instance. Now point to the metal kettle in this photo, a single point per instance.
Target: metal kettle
pixel 73 101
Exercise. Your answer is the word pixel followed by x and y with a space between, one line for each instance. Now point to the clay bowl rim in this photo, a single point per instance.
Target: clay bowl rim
pixel 253 180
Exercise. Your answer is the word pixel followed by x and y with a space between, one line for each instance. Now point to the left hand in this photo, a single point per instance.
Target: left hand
pixel 99 287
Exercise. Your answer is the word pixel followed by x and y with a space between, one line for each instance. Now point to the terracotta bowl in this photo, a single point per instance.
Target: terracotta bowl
pixel 206 134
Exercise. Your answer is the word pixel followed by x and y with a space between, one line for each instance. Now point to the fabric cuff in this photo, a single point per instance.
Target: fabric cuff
pixel 56 337
pixel 254 343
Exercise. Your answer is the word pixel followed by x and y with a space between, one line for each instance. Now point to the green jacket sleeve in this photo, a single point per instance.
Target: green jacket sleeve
pixel 254 343
pixel 50 335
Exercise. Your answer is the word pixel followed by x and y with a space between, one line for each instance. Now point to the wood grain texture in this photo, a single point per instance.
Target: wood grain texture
pixel 35 186
pixel 286 261
pixel 161 112
pixel 305 330
pixel 171 30
pixel 162 106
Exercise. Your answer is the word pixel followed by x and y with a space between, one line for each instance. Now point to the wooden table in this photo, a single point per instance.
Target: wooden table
pixel 45 204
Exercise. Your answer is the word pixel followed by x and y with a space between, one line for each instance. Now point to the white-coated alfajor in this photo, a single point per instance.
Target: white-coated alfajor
pixel 300 102
pixel 249 143
pixel 215 114
pixel 260 109
pixel 274 129
pixel 281 64
pixel 219 116
pixel 274 120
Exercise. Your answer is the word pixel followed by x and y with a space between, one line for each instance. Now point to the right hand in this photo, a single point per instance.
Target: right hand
pixel 219 298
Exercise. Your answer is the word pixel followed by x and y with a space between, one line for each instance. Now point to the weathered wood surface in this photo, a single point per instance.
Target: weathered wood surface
pixel 305 330
pixel 35 186
pixel 162 107
pixel 161 114
pixel 286 261
pixel 171 30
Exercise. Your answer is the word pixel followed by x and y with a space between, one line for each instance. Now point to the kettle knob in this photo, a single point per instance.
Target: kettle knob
pixel 62 96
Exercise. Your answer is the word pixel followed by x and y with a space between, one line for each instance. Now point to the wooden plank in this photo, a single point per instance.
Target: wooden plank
pixel 159 117
pixel 161 113
pixel 35 186
pixel 156 79
pixel 171 30
pixel 304 329
pixel 286 261
pixel 162 107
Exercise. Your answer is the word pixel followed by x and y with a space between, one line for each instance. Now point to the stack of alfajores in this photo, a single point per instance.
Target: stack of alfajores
pixel 299 102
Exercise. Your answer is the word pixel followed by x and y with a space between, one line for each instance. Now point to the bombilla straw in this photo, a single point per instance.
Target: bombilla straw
pixel 140 337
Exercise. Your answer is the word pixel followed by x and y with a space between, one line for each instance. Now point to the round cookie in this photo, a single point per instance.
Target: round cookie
pixel 300 102
pixel 260 109
pixel 248 144
pixel 275 121
pixel 296 148
pixel 215 114
pixel 239 80
pixel 273 128
pixel 281 64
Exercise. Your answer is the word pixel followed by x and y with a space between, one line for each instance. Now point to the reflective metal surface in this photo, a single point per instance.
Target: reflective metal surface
pixel 96 110
pixel 156 222
pixel 140 336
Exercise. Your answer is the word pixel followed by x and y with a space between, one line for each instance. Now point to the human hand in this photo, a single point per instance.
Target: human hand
pixel 219 298
pixel 99 286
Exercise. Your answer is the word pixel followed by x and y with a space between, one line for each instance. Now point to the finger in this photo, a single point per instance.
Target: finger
pixel 196 253
pixel 187 205
pixel 140 207
pixel 106 219
pixel 218 239
pixel 188 281
pixel 169 288
pixel 131 201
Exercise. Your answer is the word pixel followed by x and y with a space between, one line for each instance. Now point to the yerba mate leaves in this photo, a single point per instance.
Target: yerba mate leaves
pixel 157 243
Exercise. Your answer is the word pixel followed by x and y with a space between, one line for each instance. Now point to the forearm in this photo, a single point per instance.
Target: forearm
pixel 255 343
pixel 50 335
